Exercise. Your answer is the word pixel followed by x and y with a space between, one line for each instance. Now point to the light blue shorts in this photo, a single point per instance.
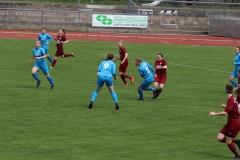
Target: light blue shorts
pixel 42 66
pixel 146 83
pixel 103 79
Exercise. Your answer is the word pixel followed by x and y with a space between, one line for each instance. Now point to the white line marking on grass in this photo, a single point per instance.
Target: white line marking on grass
pixel 209 69
pixel 189 66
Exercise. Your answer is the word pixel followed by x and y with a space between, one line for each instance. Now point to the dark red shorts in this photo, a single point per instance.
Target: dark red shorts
pixel 59 52
pixel 123 67
pixel 231 130
pixel 160 80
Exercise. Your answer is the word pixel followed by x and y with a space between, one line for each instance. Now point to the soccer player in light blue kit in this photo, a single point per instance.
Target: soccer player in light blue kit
pixel 106 70
pixel 236 67
pixel 45 39
pixel 40 63
pixel 144 70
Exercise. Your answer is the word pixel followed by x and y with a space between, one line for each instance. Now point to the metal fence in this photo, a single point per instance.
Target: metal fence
pixel 224 27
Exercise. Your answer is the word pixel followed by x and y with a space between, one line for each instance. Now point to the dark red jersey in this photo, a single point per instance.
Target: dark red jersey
pixel 232 110
pixel 122 52
pixel 161 72
pixel 59 39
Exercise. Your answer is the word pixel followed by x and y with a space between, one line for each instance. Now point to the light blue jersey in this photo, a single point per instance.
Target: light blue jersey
pixel 40 63
pixel 45 38
pixel 145 69
pixel 236 65
pixel 106 70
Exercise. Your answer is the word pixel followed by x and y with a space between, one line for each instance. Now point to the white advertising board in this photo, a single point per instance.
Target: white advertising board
pixel 121 21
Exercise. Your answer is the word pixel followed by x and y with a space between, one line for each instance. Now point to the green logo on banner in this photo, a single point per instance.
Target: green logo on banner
pixel 104 20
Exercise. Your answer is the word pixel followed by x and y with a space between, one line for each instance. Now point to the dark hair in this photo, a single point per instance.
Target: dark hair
pixel 229 88
pixel 109 56
pixel 160 54
pixel 64 32
pixel 44 28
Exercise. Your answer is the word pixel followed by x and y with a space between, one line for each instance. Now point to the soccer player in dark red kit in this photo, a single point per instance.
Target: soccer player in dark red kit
pixel 161 73
pixel 123 56
pixel 61 39
pixel 231 129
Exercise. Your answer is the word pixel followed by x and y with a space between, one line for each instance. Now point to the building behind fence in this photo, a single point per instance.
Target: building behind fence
pixel 193 20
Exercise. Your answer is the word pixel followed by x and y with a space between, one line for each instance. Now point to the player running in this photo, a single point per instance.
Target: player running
pixel 40 63
pixel 61 39
pixel 231 129
pixel 160 76
pixel 236 66
pixel 45 39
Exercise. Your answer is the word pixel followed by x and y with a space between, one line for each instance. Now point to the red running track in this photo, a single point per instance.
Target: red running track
pixel 136 38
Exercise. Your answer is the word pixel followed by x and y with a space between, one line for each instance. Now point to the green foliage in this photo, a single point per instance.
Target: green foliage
pixel 44 124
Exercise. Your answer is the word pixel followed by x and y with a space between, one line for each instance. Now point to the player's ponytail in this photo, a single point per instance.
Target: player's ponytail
pixel 109 56
pixel 64 32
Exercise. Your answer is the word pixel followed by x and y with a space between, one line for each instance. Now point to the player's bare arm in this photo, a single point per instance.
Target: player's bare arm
pixel 31 62
pixel 44 56
pixel 125 57
pixel 64 41
pixel 116 59
pixel 217 114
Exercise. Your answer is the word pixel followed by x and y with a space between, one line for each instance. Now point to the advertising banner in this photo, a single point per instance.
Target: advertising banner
pixel 121 21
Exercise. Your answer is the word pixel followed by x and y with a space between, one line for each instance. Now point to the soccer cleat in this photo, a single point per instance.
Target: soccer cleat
pixel 238 143
pixel 238 157
pixel 38 83
pixel 73 55
pixel 117 106
pixel 125 84
pixel 153 97
pixel 158 92
pixel 52 87
pixel 51 67
pixel 132 80
pixel 140 98
pixel 90 105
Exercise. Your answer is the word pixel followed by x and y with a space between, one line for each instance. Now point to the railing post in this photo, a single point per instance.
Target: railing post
pixel 5 18
pixel 42 19
pixel 128 6
pixel 79 19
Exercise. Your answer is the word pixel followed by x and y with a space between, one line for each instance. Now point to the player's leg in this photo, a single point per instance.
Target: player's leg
pixel 67 55
pixel 155 85
pixel 48 56
pixel 34 74
pixel 231 78
pixel 109 84
pixel 124 75
pixel 144 86
pixel 100 83
pixel 46 72
pixel 58 53
pixel 162 82
pixel 232 147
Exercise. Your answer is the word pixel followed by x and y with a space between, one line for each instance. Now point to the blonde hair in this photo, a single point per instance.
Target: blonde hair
pixel 137 60
pixel 38 41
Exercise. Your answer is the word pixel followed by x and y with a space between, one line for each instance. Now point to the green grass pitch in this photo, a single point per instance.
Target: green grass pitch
pixel 45 124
